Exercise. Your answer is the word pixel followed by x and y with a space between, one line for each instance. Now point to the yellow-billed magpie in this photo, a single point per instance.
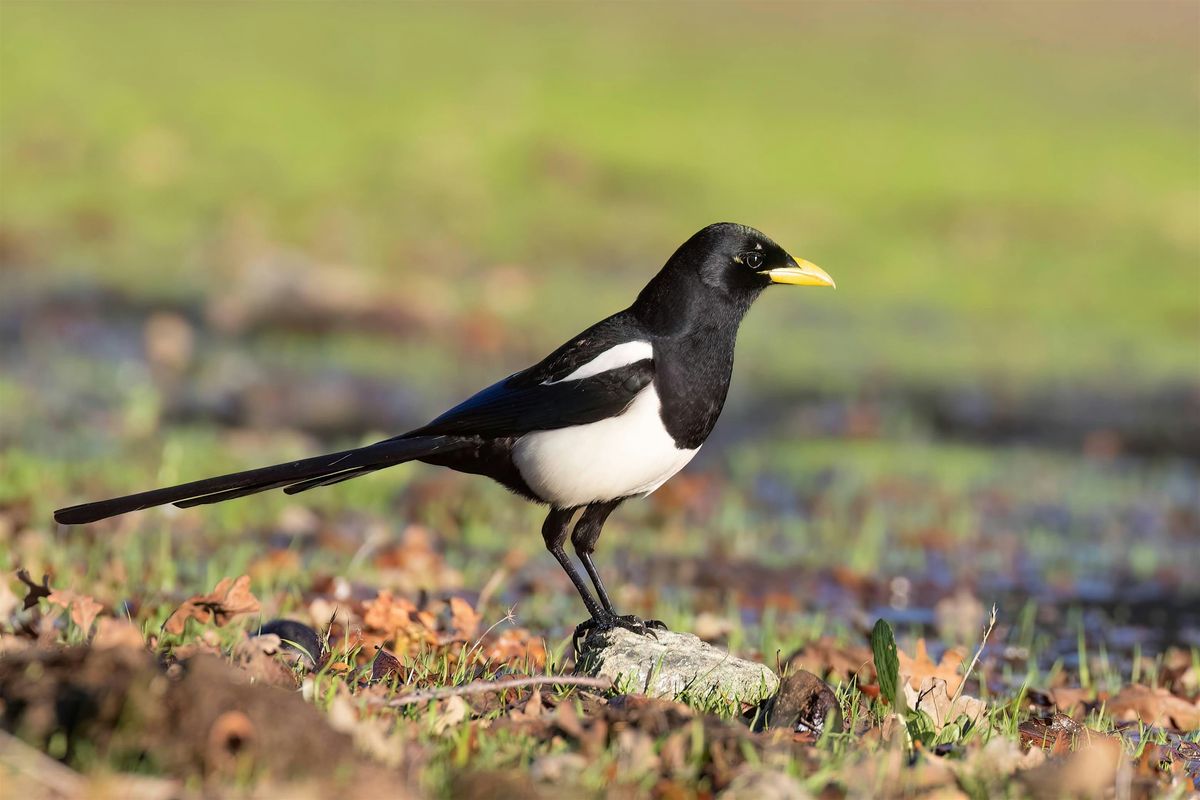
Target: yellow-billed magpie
pixel 610 415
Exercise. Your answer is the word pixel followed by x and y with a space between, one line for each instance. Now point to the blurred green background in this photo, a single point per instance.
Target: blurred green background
pixel 1001 190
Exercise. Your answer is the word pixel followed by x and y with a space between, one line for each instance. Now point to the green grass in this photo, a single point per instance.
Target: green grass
pixel 866 507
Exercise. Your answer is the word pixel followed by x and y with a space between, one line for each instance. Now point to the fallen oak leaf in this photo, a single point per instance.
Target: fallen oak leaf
pixel 401 622
pixel 516 645
pixel 829 659
pixel 36 592
pixel 83 608
pixel 230 598
pixel 1067 698
pixel 453 711
pixel 111 632
pixel 532 709
pixel 1156 707
pixel 384 666
pixel 567 720
pixel 934 699
pixel 464 620
pixel 916 669
pixel 1090 770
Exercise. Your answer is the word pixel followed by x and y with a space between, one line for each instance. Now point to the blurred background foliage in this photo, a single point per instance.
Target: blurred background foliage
pixel 332 220
pixel 1002 191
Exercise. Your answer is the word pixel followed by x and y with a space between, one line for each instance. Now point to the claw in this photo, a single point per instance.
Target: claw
pixel 629 622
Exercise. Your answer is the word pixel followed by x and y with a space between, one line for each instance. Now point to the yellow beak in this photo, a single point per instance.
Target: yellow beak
pixel 802 273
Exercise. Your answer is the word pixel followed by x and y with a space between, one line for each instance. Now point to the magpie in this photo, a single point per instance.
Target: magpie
pixel 608 416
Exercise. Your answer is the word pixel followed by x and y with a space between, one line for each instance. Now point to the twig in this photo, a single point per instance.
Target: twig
pixel 963 683
pixel 483 687
pixel 39 767
pixel 489 588
pixel 60 781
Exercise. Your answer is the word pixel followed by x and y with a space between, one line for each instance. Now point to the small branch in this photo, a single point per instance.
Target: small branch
pixel 963 683
pixel 483 687
pixel 489 588
pixel 56 780
pixel 38 767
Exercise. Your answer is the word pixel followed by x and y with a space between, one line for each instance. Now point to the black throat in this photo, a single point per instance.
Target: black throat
pixel 693 327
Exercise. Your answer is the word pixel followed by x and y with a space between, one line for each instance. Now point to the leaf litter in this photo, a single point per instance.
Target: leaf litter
pixel 422 686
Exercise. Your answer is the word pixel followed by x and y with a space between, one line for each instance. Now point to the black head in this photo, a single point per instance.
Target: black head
pixel 732 258
pixel 725 264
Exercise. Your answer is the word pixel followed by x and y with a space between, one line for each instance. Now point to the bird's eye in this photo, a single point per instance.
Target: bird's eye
pixel 753 260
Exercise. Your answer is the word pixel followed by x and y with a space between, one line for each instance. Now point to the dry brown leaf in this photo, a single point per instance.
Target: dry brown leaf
pixel 400 622
pixel 635 753
pixel 516 644
pixel 1067 698
pixel 558 768
pixel 934 699
pixel 533 707
pixel 830 659
pixel 414 563
pixel 454 710
pixel 384 666
pixel 464 620
pixel 83 608
pixel 265 659
pixel 1090 771
pixel 112 633
pixel 762 783
pixel 230 598
pixel 567 720
pixel 1154 707
pixel 1000 757
pixel 916 669
pixel 711 627
pixel 36 591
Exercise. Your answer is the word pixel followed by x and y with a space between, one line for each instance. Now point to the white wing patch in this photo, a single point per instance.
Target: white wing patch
pixel 621 355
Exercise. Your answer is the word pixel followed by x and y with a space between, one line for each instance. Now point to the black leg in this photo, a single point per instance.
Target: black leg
pixel 587 531
pixel 554 532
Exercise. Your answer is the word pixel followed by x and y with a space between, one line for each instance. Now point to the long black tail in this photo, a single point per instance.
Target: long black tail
pixel 296 476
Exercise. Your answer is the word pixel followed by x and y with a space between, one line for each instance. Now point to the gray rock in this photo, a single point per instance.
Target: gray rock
pixel 675 665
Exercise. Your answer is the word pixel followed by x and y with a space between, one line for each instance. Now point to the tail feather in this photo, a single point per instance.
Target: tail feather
pixel 231 494
pixel 304 474
pixel 330 480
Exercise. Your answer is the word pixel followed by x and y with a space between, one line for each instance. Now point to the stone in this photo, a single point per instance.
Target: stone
pixel 674 665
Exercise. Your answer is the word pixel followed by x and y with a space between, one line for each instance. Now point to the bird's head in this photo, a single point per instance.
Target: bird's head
pixel 739 259
pixel 716 275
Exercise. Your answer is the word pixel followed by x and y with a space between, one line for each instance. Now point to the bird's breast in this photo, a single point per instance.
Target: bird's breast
pixel 622 456
pixel 693 378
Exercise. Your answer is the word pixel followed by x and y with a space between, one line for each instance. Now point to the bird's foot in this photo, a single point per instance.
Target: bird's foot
pixel 608 621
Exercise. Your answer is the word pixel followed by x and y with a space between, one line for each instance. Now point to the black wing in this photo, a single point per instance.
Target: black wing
pixel 514 407
pixel 618 329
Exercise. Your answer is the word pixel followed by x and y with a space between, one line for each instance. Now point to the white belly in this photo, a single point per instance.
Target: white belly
pixel 617 457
